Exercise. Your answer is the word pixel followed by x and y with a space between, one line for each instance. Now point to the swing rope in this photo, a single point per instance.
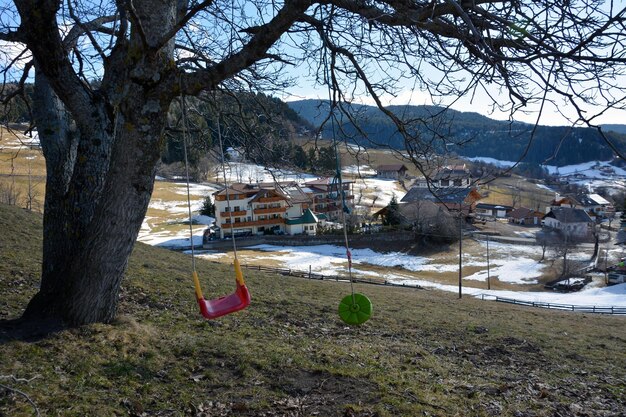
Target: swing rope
pixel 354 308
pixel 238 300
pixel 238 273
pixel 184 128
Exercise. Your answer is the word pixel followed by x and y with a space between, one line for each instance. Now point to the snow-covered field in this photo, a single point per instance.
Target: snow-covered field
pixel 595 174
pixel 331 260
pixel 510 264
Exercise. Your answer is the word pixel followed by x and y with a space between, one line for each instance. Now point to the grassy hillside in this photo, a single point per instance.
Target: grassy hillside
pixel 422 353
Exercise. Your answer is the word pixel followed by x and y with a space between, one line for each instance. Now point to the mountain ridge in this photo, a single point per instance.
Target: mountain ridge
pixel 468 134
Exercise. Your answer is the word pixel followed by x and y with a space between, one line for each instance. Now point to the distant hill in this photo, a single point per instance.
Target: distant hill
pixel 615 128
pixel 466 133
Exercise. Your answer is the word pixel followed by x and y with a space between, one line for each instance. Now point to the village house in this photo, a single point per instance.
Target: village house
pixel 562 202
pixel 422 215
pixel 571 222
pixel 253 209
pixel 326 198
pixel 453 199
pixel 525 216
pixel 498 211
pixel 595 205
pixel 392 171
pixel 452 176
pixel 305 224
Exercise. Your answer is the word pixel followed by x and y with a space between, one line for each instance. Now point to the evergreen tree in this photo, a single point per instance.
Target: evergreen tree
pixel 299 157
pixel 208 208
pixel 393 217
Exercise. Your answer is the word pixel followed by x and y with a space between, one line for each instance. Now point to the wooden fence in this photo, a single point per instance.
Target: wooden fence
pixel 563 307
pixel 340 278
pixel 321 277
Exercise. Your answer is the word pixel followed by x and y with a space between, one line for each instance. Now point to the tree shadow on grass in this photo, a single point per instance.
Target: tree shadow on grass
pixel 29 329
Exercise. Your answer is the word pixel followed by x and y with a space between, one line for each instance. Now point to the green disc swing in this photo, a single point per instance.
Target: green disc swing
pixel 354 308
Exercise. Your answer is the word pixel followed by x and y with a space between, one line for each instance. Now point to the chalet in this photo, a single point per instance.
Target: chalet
pixel 570 221
pixel 452 176
pixel 326 198
pixel 424 215
pixel 251 209
pixel 525 216
pixel 453 199
pixel 595 205
pixel 563 202
pixel 305 224
pixel 392 171
pixel 493 210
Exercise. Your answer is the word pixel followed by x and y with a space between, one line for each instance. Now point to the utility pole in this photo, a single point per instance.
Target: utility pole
pixel 488 277
pixel 461 254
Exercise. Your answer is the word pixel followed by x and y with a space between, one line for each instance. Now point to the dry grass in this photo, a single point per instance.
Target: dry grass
pixel 422 353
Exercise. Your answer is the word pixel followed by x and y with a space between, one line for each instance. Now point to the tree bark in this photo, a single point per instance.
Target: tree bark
pixel 101 148
pixel 98 189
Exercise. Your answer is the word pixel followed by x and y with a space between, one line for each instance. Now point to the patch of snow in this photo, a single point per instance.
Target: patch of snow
pixel 172 240
pixel 251 173
pixel 359 170
pixel 492 161
pixel 202 219
pixel 544 187
pixel 517 271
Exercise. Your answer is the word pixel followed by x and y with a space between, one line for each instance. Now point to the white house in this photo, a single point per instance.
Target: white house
pixel 450 176
pixel 254 209
pixel 493 210
pixel 305 224
pixel 392 171
pixel 571 221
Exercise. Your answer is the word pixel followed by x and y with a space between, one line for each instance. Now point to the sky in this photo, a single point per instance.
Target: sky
pixel 479 101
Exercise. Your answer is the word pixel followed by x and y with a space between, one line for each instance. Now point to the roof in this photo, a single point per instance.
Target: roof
pixel 593 200
pixel 455 195
pixel 524 212
pixel 238 188
pixel 265 193
pixel 308 217
pixel 391 167
pixel 451 172
pixel 564 200
pixel 569 215
pixel 325 181
pixel 493 206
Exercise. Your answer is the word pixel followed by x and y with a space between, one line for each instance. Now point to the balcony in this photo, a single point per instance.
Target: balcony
pixel 270 210
pixel 269 199
pixel 238 213
pixel 254 223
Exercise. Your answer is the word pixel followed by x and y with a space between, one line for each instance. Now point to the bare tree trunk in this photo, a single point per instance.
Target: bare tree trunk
pixel 92 213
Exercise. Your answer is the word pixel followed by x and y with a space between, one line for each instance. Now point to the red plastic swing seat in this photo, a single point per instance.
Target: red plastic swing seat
pixel 218 307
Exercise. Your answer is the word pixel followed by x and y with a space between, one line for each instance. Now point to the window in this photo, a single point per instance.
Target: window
pixel 458 183
pixel 237 208
pixel 237 220
pixel 226 209
pixel 227 220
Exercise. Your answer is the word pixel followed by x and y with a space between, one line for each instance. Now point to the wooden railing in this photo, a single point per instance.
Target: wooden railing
pixel 552 306
pixel 254 223
pixel 233 213
pixel 270 210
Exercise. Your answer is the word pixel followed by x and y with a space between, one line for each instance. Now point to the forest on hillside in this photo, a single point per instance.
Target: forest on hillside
pixel 465 133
